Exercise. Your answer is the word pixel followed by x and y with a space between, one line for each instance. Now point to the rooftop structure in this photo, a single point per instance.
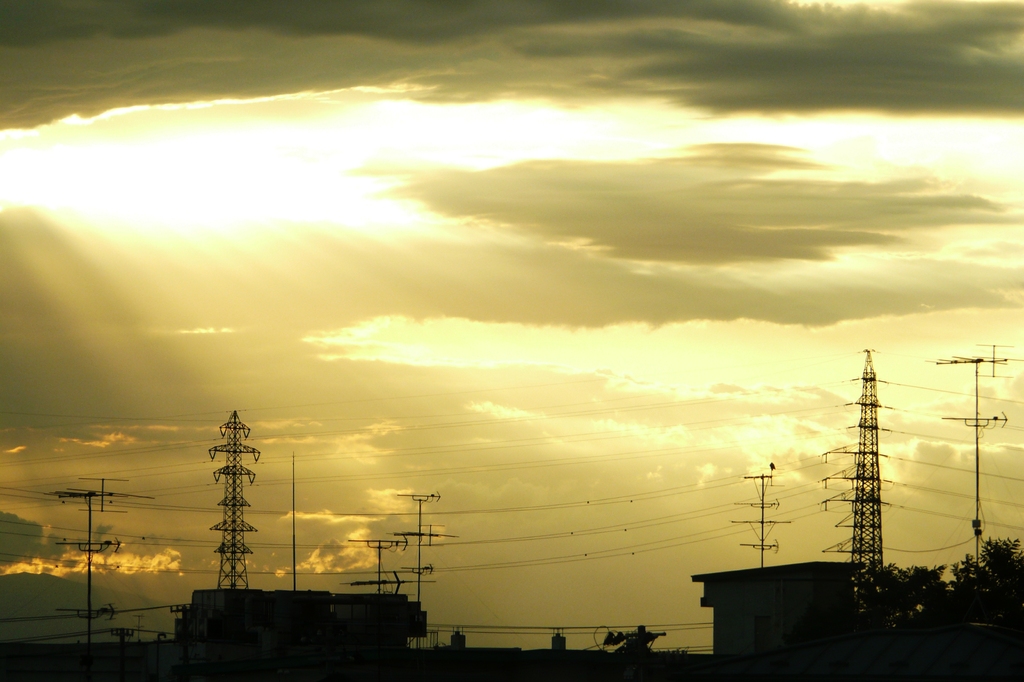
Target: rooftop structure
pixel 757 608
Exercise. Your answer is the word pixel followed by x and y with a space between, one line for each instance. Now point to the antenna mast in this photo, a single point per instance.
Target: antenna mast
pixel 420 499
pixel 380 546
pixel 979 425
pixel 232 548
pixel 762 527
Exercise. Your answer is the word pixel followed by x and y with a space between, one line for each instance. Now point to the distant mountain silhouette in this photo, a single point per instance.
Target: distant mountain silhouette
pixel 30 595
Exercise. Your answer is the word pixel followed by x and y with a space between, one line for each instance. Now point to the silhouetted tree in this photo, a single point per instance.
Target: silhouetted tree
pixel 894 597
pixel 992 592
pixel 917 597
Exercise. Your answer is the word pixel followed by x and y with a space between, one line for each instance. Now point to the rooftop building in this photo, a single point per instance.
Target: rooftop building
pixel 757 608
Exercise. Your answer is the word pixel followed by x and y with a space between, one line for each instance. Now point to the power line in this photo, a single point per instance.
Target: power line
pixel 928 551
pixel 952 516
pixel 417 427
pixel 535 463
pixel 637 524
pixel 639 548
pixel 960 393
pixel 628 550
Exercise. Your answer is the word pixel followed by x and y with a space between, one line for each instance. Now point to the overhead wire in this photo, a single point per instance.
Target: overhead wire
pixel 929 551
pixel 632 549
pixel 702 486
pixel 502 421
pixel 958 393
pixel 476 468
pixel 377 454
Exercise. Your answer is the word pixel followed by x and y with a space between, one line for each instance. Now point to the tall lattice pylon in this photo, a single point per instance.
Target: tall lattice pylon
pixel 865 494
pixel 232 548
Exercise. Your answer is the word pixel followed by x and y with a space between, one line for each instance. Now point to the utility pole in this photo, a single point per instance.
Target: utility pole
pixel 89 548
pixel 121 634
pixel 865 493
pixel 979 425
pixel 762 527
pixel 232 548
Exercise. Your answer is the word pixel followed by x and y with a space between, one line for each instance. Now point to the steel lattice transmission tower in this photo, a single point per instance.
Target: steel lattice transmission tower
pixel 232 548
pixel 865 495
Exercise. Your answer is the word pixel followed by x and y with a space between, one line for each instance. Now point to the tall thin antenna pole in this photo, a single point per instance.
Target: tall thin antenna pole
pixel 419 547
pixel 979 425
pixel 294 562
pixel 88 591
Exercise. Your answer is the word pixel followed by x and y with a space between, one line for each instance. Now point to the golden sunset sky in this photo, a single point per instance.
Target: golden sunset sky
pixel 577 267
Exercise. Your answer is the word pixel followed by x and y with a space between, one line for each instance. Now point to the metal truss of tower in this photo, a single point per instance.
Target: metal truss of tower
pixel 866 548
pixel 232 548
pixel 865 494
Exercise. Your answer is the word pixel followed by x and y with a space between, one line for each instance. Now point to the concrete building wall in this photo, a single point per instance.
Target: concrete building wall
pixel 63 662
pixel 755 609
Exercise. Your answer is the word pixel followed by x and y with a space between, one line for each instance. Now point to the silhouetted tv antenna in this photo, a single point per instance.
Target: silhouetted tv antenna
pixel 89 548
pixel 380 546
pixel 978 424
pixel 762 527
pixel 421 570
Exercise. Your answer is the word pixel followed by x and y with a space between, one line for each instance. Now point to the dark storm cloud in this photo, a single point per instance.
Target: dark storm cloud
pixel 919 57
pixel 21 539
pixel 534 284
pixel 752 156
pixel 412 20
pixel 73 347
pixel 60 58
pixel 62 347
pixel 718 205
pixel 497 277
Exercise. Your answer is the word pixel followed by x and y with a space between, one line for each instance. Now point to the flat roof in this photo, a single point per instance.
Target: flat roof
pixel 818 569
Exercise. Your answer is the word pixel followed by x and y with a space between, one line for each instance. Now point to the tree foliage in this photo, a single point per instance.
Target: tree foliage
pixel 990 591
